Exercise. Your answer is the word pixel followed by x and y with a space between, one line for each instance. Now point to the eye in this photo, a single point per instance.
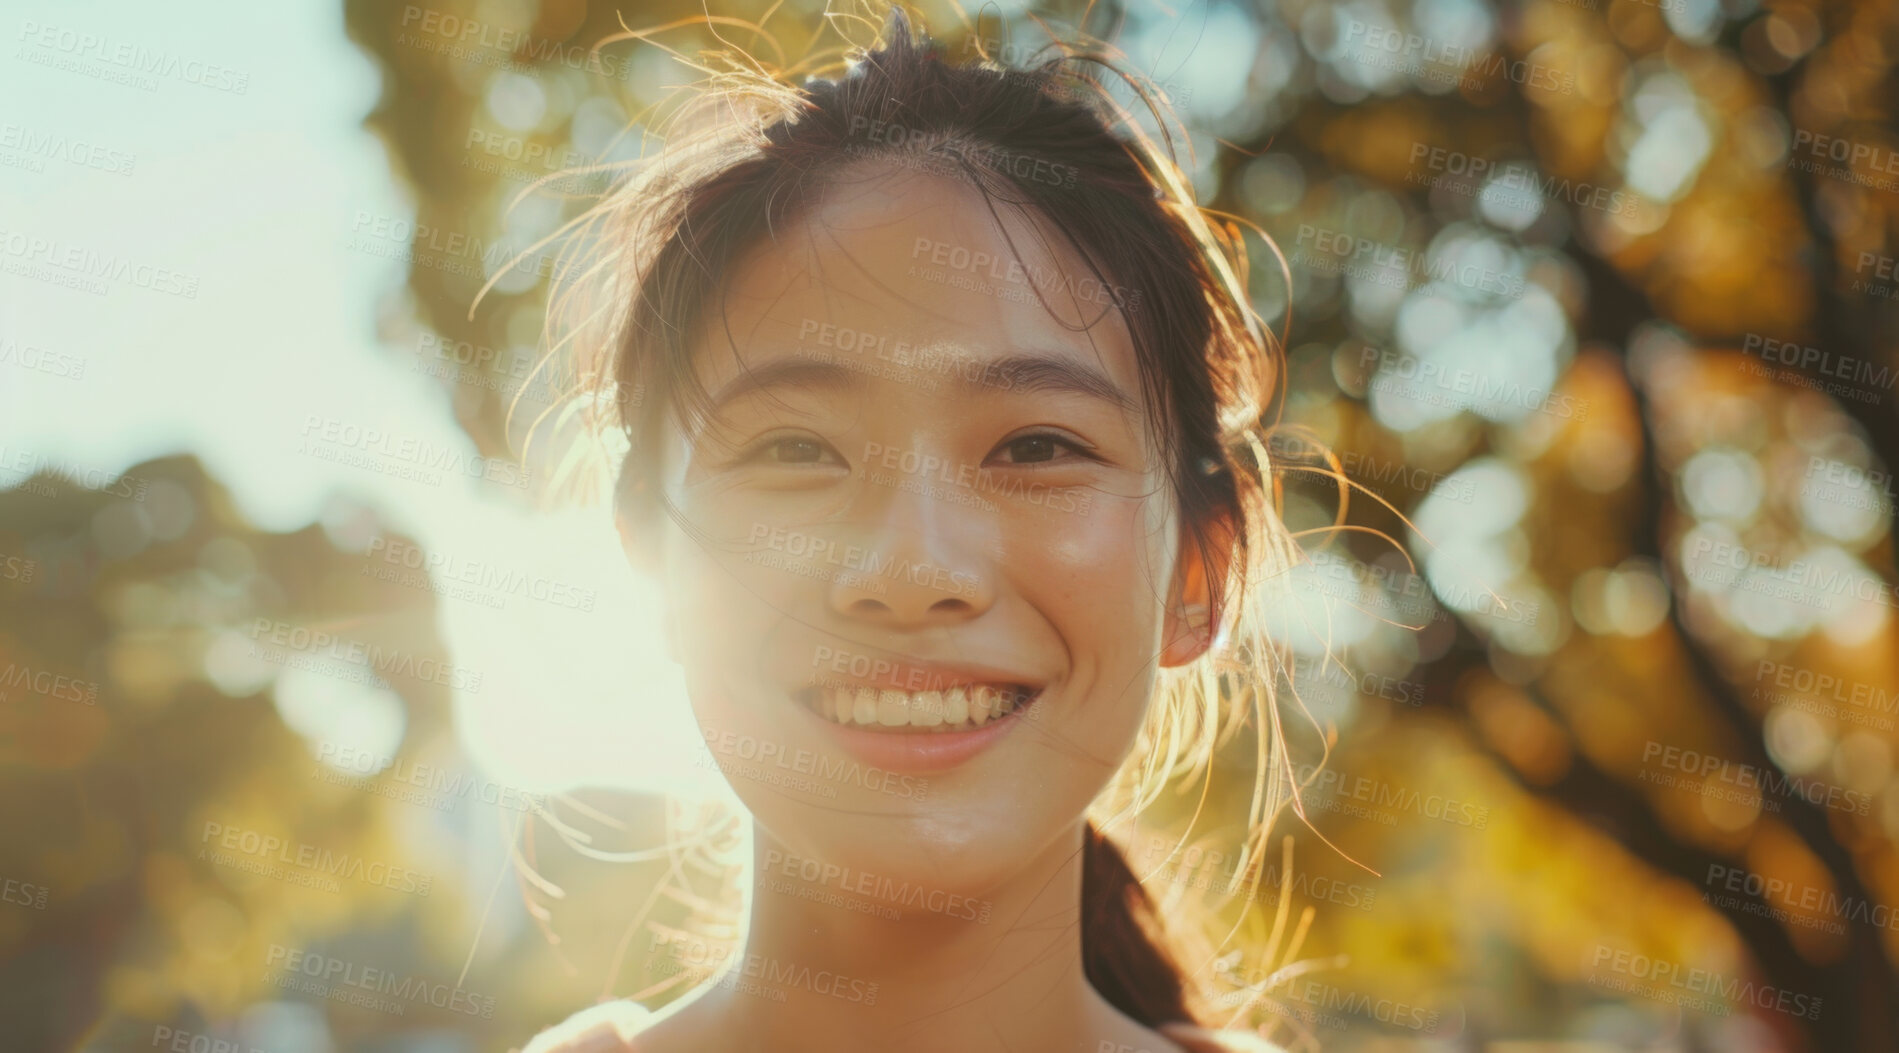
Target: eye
pixel 1040 448
pixel 795 451
pixel 790 449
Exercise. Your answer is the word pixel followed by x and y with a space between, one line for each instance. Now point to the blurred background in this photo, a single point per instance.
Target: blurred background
pixel 320 730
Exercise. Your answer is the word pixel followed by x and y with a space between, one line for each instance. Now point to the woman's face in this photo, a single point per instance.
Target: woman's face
pixel 921 497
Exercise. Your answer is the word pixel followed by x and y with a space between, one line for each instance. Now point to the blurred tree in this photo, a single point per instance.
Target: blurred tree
pixel 1700 115
pixel 136 708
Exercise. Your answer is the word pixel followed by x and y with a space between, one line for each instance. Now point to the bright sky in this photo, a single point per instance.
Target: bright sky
pixel 250 195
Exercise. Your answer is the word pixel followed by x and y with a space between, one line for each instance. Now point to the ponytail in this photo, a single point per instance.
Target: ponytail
pixel 1124 951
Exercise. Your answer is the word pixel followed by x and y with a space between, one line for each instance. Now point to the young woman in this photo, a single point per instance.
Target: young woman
pixel 943 406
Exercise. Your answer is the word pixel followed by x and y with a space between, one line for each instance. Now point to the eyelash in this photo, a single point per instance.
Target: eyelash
pixel 759 451
pixel 1072 445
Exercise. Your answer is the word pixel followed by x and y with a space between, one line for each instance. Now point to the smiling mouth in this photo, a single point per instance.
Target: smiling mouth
pixel 957 709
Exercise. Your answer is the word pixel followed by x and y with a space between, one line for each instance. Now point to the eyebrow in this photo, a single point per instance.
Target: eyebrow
pixel 1048 373
pixel 794 374
pixel 1023 372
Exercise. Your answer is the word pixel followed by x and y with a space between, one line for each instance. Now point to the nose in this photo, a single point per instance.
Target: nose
pixel 923 565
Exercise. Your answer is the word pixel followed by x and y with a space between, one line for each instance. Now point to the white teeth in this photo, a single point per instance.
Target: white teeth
pixel 960 708
pixel 955 706
pixel 928 711
pixel 893 709
pixel 982 704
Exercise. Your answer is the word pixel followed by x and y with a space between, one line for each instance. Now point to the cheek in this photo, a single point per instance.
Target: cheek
pixel 721 600
pixel 1099 576
pixel 1099 580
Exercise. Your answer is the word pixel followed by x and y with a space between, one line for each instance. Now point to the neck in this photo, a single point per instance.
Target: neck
pixel 816 974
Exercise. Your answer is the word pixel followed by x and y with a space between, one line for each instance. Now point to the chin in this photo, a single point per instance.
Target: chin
pixel 946 865
pixel 870 817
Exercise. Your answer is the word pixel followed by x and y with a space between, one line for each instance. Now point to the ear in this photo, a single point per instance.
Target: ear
pixel 1192 618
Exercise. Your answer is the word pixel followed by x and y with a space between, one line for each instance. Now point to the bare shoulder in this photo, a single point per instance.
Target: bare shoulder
pixel 610 1027
pixel 1202 1040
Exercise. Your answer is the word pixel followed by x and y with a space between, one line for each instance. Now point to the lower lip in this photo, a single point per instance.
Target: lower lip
pixel 913 752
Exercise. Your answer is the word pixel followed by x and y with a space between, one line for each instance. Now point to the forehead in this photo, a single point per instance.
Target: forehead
pixel 893 257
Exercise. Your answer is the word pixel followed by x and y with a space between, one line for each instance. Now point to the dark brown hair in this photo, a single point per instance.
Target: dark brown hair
pixel 1049 141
